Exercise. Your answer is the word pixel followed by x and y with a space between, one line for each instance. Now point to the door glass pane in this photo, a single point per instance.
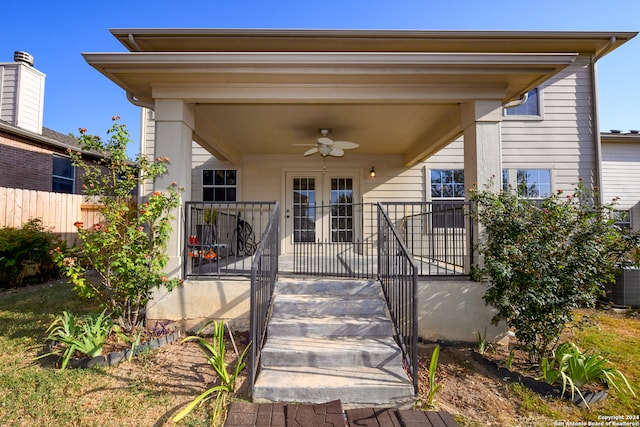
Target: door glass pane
pixel 341 210
pixel 304 203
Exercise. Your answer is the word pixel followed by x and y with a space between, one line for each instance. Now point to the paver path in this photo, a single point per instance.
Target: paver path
pixel 330 414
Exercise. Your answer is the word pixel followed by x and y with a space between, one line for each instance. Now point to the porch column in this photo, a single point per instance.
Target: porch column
pixel 175 121
pixel 481 123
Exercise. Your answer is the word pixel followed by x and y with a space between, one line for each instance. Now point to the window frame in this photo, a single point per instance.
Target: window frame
pixel 440 215
pixel 224 185
pixel 71 179
pixel 454 183
pixel 540 108
pixel 513 181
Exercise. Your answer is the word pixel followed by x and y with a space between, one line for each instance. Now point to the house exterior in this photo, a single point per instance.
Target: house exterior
pixel 433 113
pixel 32 156
pixel 621 174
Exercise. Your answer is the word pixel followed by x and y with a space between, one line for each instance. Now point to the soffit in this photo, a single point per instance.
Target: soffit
pixel 393 92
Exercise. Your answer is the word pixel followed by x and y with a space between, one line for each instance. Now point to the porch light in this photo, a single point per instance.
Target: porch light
pixel 372 172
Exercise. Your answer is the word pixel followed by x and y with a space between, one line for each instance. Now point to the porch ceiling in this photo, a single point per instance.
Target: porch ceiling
pixel 394 92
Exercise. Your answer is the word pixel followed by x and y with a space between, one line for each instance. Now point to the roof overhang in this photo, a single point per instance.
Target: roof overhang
pixel 369 86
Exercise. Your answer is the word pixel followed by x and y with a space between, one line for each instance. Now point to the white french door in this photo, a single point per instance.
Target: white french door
pixel 319 207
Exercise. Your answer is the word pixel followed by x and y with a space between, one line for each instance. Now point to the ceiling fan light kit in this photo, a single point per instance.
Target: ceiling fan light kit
pixel 328 147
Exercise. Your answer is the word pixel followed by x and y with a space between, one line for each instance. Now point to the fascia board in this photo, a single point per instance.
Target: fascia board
pixel 182 60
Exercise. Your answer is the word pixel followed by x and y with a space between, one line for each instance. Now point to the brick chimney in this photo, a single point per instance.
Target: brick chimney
pixel 22 93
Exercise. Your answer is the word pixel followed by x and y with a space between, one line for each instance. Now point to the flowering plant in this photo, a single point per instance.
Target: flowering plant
pixel 127 248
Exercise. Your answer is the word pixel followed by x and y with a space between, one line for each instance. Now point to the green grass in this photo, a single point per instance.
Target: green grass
pixel 32 394
pixel 614 335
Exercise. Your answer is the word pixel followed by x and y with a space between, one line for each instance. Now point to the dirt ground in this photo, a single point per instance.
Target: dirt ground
pixel 468 388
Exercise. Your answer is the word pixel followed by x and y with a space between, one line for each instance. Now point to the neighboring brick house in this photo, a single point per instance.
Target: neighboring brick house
pixel 32 156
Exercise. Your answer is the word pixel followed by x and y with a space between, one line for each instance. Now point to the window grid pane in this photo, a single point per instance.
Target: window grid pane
pixel 447 183
pixel 534 183
pixel 341 210
pixel 304 212
pixel 219 185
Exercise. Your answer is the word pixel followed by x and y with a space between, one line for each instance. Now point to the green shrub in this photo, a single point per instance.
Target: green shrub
pixel 25 254
pixel 544 258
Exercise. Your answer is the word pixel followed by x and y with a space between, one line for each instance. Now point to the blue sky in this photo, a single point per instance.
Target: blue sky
pixel 76 95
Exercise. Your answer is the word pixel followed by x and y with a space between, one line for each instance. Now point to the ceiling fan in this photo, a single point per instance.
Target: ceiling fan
pixel 328 147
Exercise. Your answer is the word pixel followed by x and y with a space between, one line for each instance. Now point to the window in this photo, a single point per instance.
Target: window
pixel 622 219
pixel 505 180
pixel 533 183
pixel 447 184
pixel 342 216
pixel 219 185
pixel 447 189
pixel 531 107
pixel 63 175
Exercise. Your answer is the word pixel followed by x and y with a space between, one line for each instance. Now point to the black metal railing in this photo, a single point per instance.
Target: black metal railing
pixel 264 273
pixel 335 240
pixel 398 274
pixel 439 235
pixel 341 239
pixel 222 237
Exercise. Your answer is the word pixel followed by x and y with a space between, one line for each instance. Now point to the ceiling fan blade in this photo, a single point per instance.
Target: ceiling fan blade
pixel 345 145
pixel 325 141
pixel 311 151
pixel 336 152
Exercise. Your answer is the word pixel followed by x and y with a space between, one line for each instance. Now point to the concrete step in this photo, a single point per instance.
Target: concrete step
pixel 331 352
pixel 284 325
pixel 353 386
pixel 329 340
pixel 330 287
pixel 317 306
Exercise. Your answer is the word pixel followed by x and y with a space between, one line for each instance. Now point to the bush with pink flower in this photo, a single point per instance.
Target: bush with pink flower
pixel 127 248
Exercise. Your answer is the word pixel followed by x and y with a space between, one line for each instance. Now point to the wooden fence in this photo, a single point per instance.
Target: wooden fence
pixel 58 211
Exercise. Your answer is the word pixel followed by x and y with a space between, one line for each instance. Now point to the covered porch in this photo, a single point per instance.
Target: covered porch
pixel 256 100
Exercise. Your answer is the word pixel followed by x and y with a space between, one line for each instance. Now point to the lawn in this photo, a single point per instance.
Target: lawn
pixel 127 395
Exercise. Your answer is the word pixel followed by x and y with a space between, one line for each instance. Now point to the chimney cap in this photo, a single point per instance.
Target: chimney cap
pixel 20 56
pixel 616 131
pixel 634 131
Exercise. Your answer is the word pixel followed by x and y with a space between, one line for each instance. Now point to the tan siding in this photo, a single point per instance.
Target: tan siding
pixel 564 140
pixel 621 173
